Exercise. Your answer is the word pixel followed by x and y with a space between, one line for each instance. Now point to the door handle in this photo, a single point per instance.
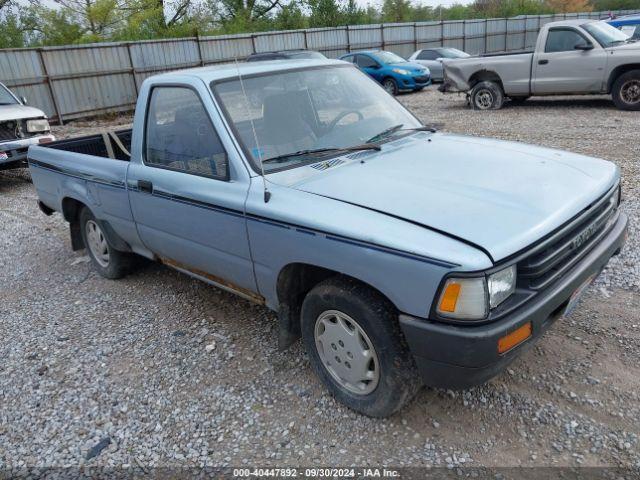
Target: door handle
pixel 145 186
pixel 543 62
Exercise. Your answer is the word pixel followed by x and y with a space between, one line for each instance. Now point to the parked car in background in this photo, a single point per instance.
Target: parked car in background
pixel 285 55
pixel 570 57
pixel 629 24
pixel 392 250
pixel 20 126
pixel 392 71
pixel 432 59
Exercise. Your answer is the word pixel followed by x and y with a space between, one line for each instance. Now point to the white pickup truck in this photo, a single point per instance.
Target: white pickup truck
pixel 20 126
pixel 571 57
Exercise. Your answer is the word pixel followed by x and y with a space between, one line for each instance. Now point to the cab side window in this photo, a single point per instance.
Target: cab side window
pixel 428 55
pixel 179 134
pixel 563 40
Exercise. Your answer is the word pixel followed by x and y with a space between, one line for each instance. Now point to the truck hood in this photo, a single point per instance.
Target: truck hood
pixel 17 111
pixel 626 47
pixel 500 196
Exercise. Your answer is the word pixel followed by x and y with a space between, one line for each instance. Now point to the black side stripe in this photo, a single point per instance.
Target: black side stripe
pixel 255 218
pixel 78 175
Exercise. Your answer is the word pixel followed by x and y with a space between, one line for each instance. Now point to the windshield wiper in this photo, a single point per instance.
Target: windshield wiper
pixel 300 153
pixel 398 128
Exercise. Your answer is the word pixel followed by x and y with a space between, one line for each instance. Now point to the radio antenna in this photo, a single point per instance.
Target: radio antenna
pixel 267 193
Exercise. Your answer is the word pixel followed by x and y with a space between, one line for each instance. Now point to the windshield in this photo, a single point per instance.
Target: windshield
pixel 453 53
pixel 292 111
pixel 388 57
pixel 605 34
pixel 5 96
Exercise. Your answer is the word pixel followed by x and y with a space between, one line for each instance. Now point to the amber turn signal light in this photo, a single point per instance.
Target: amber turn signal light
pixel 515 338
pixel 450 298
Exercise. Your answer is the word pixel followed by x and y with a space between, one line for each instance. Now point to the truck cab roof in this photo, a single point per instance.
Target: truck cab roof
pixel 230 70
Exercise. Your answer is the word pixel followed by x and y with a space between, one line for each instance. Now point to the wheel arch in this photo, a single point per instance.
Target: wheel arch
pixel 71 208
pixel 294 281
pixel 483 76
pixel 620 70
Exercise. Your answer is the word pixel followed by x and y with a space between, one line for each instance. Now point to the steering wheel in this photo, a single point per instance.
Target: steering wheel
pixel 340 116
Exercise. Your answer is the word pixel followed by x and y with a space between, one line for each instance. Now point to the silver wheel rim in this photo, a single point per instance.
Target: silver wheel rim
pixel 484 99
pixel 346 352
pixel 389 86
pixel 630 92
pixel 97 243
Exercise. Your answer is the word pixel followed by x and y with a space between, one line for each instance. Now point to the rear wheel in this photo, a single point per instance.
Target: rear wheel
pixel 626 91
pixel 390 85
pixel 355 346
pixel 486 95
pixel 108 262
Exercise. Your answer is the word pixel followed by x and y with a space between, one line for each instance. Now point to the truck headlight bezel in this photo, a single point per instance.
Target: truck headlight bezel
pixel 38 125
pixel 471 298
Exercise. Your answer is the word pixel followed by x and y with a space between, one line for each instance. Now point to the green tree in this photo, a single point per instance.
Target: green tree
pixel 396 11
pixel 325 13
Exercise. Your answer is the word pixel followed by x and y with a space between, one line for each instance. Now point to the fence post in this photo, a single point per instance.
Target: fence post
pixel 382 36
pixel 442 33
pixel 133 69
pixel 464 35
pixel 199 48
pixel 486 35
pixel 348 40
pixel 253 42
pixel 48 81
pixel 415 37
pixel 304 34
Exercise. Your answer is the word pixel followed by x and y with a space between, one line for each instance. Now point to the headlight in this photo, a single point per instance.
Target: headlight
pixel 401 71
pixel 501 285
pixel 39 125
pixel 470 298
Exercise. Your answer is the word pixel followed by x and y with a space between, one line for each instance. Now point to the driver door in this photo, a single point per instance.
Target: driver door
pixel 370 66
pixel 562 68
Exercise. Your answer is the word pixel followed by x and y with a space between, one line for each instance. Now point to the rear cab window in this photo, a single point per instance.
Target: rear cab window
pixel 179 134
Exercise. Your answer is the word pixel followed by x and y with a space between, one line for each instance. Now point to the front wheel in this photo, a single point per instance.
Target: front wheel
pixel 355 346
pixel 486 95
pixel 108 262
pixel 626 91
pixel 390 85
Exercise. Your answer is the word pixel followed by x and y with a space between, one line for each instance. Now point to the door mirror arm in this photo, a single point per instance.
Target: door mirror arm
pixel 584 46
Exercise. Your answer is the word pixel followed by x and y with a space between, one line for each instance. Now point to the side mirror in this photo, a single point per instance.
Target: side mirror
pixel 584 46
pixel 23 100
pixel 440 59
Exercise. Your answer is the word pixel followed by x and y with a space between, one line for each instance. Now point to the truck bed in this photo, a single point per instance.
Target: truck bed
pixel 94 145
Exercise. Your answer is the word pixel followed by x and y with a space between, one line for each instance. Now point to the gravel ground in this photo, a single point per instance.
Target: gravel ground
pixel 158 369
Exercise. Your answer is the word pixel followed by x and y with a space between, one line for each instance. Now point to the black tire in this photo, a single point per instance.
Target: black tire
pixel 118 263
pixel 397 380
pixel 626 91
pixel 487 95
pixel 390 85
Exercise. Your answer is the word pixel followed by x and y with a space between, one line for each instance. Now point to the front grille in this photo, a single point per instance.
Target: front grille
pixel 421 79
pixel 564 248
pixel 9 130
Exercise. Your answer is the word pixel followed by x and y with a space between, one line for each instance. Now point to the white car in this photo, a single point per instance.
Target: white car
pixel 20 126
pixel 433 57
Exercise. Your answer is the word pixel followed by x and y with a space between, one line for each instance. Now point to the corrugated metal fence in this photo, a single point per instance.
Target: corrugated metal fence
pixel 84 80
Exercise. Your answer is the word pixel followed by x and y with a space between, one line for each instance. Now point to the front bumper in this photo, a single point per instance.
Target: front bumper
pixel 407 83
pixel 452 356
pixel 15 151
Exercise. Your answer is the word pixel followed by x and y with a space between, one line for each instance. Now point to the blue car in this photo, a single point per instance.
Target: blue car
pixel 393 72
pixel 629 24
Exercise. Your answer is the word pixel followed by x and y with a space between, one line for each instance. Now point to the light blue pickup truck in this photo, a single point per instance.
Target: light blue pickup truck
pixel 396 252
